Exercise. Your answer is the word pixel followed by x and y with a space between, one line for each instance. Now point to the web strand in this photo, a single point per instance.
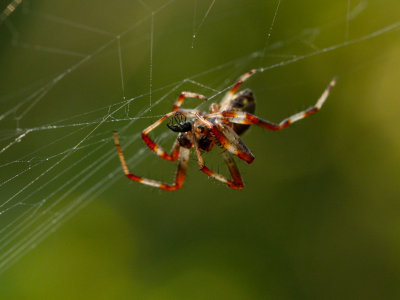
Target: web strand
pixel 348 19
pixel 269 33
pixel 121 68
pixel 197 30
pixel 64 175
pixel 151 57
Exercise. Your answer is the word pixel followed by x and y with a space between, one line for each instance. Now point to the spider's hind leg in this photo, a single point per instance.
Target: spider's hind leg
pixel 180 173
pixel 241 117
pixel 153 146
pixel 228 139
pixel 235 183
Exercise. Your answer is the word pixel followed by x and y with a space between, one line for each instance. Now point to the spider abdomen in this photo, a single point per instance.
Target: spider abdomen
pixel 244 101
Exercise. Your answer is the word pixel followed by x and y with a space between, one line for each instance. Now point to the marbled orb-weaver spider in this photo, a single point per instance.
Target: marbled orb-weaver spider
pixel 221 126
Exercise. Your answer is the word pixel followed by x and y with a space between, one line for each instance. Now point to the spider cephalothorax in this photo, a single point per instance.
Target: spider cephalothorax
pixel 221 126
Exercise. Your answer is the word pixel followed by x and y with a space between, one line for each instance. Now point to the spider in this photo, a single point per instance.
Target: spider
pixel 221 127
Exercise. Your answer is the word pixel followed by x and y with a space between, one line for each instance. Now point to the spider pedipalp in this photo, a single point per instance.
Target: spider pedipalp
pixel 179 123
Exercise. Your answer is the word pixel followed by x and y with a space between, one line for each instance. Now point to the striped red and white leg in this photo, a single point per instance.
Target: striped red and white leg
pixel 228 96
pixel 180 173
pixel 235 183
pixel 185 95
pixel 240 117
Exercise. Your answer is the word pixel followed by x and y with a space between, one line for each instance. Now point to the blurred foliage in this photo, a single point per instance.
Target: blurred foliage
pixel 319 217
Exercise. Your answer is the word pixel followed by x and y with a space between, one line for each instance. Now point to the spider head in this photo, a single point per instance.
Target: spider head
pixel 178 123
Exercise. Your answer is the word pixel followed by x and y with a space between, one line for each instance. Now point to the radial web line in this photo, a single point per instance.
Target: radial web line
pixel 53 50
pixel 194 22
pixel 120 67
pixel 196 32
pixel 151 56
pixel 145 5
pixel 71 23
pixel 269 33
pixel 348 19
pixel 374 34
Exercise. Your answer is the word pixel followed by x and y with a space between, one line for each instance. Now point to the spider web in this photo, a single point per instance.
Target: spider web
pixel 71 75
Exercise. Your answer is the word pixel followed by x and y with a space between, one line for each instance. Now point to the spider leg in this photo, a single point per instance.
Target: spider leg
pixel 180 173
pixel 240 117
pixel 228 96
pixel 236 183
pixel 228 139
pixel 185 95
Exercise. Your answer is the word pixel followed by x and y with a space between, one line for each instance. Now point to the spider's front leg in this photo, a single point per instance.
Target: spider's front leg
pixel 157 149
pixel 240 117
pixel 236 183
pixel 185 95
pixel 228 96
pixel 180 174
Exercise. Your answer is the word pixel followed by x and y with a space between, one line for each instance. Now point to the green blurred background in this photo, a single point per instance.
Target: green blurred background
pixel 319 217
